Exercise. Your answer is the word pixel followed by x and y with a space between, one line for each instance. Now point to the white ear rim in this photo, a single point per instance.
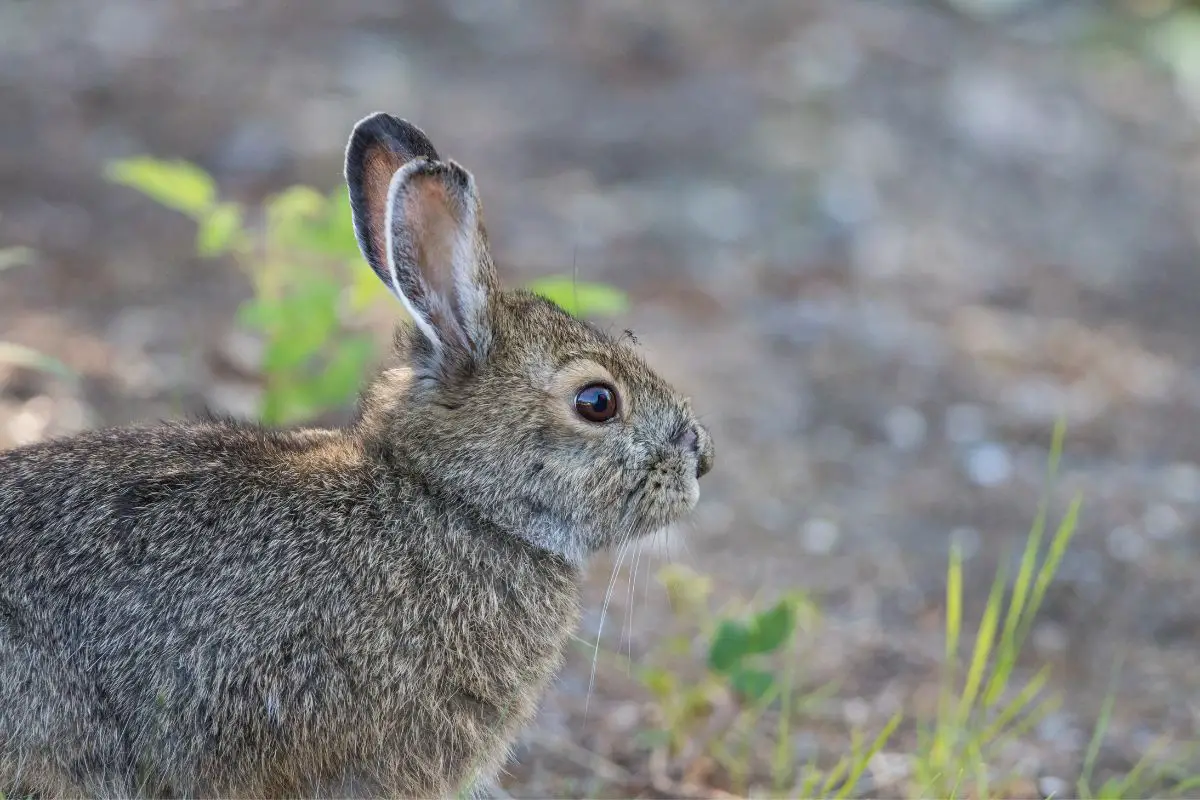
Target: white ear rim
pixel 394 188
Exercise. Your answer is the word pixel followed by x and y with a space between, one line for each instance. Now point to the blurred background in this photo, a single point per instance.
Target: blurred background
pixel 884 246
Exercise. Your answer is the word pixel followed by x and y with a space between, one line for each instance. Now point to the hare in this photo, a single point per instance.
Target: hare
pixel 216 609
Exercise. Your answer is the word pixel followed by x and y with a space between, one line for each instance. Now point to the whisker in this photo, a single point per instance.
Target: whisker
pixel 621 552
pixel 629 599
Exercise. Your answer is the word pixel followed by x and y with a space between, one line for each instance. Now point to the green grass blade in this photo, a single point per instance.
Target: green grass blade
pixel 1054 557
pixel 982 789
pixel 841 769
pixel 1083 785
pixel 1026 723
pixel 985 638
pixel 940 748
pixel 811 780
pixel 863 760
pixel 1131 782
pixel 1185 787
pixel 1008 649
pixel 1018 704
pixel 21 356
pixel 15 257
pixel 1057 440
pixel 781 759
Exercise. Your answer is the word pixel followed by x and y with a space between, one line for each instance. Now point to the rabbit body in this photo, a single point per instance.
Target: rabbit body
pixel 220 611
pixel 217 609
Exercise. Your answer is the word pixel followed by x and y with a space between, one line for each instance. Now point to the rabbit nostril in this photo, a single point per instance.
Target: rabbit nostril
pixel 688 439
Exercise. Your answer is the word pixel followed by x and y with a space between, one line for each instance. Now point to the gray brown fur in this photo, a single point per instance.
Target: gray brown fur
pixel 216 609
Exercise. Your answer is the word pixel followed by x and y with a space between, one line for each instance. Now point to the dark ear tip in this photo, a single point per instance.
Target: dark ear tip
pixel 397 134
pixel 451 172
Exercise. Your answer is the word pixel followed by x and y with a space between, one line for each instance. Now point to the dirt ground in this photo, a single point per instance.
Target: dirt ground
pixel 883 245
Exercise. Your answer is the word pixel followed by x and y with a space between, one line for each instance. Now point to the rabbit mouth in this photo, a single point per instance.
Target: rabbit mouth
pixel 668 492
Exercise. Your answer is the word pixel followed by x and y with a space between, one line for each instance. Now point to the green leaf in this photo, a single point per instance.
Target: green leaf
pixel 652 738
pixel 366 288
pixel 180 185
pixel 581 299
pixel 305 320
pixel 728 647
pixel 260 313
pixel 659 682
pixel 284 353
pixel 218 230
pixel 27 357
pixel 15 257
pixel 291 212
pixel 1176 41
pixel 770 629
pixel 343 375
pixel 282 405
pixel 752 684
pixel 330 231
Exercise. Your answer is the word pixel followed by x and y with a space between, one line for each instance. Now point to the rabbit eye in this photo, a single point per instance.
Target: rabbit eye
pixel 596 403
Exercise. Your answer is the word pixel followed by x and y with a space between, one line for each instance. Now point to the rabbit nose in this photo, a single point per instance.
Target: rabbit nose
pixel 695 439
pixel 688 439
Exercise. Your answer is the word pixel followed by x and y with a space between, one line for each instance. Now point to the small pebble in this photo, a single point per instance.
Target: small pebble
pixel 1126 544
pixel 989 465
pixel 1162 522
pixel 1049 639
pixel 848 201
pixel 27 426
pixel 833 443
pixel 1182 482
pixel 238 400
pixel 1050 786
pixel 968 541
pixel 826 57
pixel 856 711
pixel 819 536
pixel 905 428
pixel 720 212
pixel 243 351
pixel 805 746
pixel 1058 729
pixel 625 717
pixel 964 423
pixel 888 769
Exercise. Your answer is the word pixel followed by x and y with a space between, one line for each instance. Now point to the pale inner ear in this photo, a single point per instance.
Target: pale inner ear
pixel 439 259
pixel 435 231
pixel 380 163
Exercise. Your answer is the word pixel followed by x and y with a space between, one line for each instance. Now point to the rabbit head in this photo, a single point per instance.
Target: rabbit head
pixel 550 429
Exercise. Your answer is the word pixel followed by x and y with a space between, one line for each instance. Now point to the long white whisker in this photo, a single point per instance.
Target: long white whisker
pixel 629 598
pixel 689 557
pixel 621 551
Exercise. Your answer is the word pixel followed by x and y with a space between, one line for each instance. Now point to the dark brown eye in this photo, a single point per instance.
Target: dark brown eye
pixel 596 403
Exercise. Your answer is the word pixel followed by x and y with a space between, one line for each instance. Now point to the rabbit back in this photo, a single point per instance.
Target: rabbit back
pixel 221 609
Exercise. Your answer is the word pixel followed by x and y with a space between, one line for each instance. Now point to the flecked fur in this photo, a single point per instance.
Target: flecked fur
pixel 211 608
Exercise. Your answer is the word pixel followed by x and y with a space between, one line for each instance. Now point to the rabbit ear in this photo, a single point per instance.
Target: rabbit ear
pixel 379 146
pixel 438 257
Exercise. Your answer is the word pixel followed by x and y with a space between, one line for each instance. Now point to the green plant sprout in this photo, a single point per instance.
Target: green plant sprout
pixel 12 353
pixel 983 714
pixel 753 658
pixel 308 280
